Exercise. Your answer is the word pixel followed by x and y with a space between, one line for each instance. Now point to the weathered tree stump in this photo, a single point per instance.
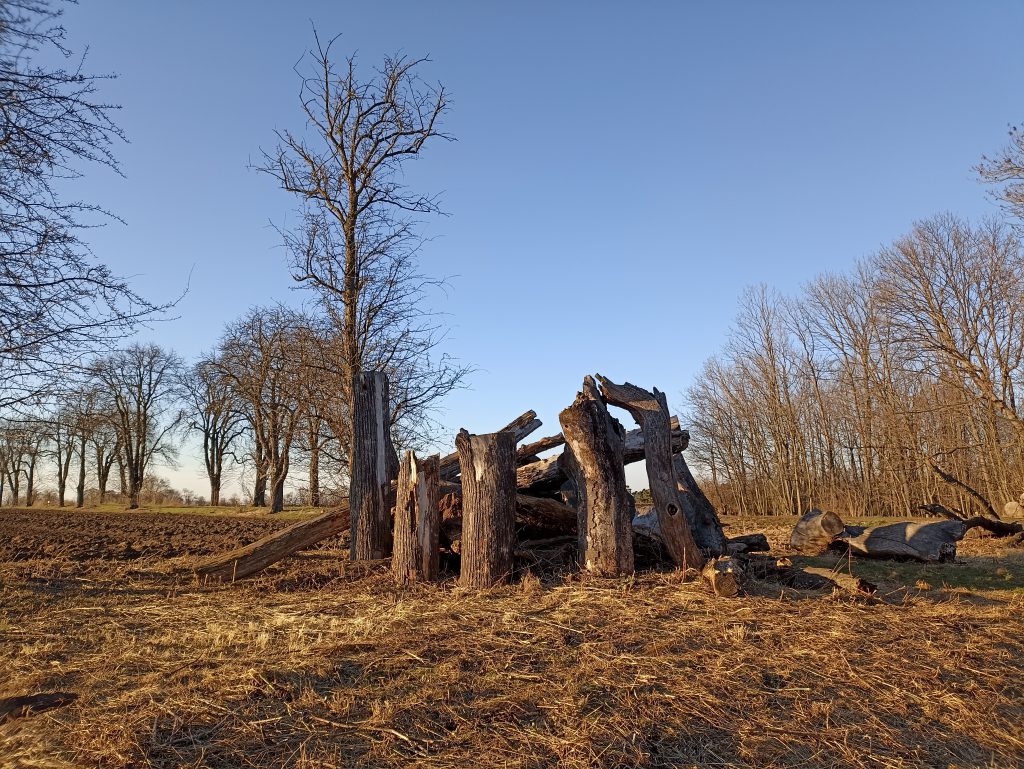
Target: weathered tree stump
pixel 488 468
pixel 700 513
pixel 650 410
pixel 594 446
pixel 372 453
pixel 417 520
pixel 815 531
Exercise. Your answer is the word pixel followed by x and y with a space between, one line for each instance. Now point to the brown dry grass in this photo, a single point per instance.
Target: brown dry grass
pixel 313 666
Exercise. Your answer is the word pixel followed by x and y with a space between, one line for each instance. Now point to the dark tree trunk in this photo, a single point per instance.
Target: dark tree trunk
pixel 370 477
pixel 259 489
pixel 314 468
pixel 277 495
pixel 594 449
pixel 103 465
pixel 80 489
pixel 650 410
pixel 417 519
pixel 215 489
pixel 30 484
pixel 123 475
pixel 700 513
pixel 488 466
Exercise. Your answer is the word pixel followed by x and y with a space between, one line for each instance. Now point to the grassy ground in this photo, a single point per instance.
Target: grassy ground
pixel 324 664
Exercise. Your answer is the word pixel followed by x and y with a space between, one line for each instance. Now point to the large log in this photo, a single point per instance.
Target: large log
pixel 932 542
pixel 417 520
pixel 815 531
pixel 593 455
pixel 487 465
pixel 650 410
pixel 371 476
pixel 546 476
pixel 250 559
pixel 536 517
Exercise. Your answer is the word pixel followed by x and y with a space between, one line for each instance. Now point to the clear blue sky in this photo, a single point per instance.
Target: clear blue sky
pixel 622 170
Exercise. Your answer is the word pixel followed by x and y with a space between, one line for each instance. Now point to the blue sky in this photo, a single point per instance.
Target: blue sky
pixel 622 170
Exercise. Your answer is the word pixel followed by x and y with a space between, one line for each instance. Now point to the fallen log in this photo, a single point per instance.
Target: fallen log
pixel 246 561
pixel 783 572
pixel 932 542
pixel 536 518
pixel 747 543
pixel 815 531
pixel 527 453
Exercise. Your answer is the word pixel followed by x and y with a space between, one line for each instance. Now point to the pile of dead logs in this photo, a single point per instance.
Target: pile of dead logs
pixel 493 501
pixel 493 498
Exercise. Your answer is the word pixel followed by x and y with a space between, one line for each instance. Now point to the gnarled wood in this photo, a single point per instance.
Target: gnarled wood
pixel 373 469
pixel 650 410
pixel 700 513
pixel 487 465
pixel 815 531
pixel 594 447
pixel 250 559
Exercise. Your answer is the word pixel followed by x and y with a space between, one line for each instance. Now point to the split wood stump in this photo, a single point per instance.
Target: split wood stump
pixel 650 410
pixel 594 451
pixel 374 467
pixel 417 520
pixel 488 468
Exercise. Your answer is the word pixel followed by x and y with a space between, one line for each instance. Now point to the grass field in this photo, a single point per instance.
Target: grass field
pixel 322 663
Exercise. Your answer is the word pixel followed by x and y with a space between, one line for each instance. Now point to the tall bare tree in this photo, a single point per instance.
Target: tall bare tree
pixel 1005 171
pixel 358 239
pixel 214 411
pixel 143 383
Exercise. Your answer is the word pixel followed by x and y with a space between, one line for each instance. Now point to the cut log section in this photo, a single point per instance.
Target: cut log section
pixel 815 531
pixel 250 559
pixel 650 410
pixel 487 465
pixel 724 575
pixel 593 455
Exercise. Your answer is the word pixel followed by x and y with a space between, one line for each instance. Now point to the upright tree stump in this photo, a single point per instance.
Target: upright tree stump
pixel 594 451
pixel 488 468
pixel 650 410
pixel 373 466
pixel 417 520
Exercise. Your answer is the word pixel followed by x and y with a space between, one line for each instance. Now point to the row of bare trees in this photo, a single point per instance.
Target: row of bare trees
pixel 878 390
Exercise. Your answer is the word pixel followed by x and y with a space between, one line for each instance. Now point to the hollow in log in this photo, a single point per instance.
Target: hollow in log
pixel 488 469
pixel 594 447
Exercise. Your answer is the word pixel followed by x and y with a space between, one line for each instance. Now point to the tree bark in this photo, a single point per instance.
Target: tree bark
pixel 650 410
pixel 700 513
pixel 594 453
pixel 80 489
pixel 370 479
pixel 417 520
pixel 487 465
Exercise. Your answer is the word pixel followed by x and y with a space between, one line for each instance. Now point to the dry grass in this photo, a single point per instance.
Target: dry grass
pixel 320 666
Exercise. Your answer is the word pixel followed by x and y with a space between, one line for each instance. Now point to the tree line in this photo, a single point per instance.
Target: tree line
pixel 894 385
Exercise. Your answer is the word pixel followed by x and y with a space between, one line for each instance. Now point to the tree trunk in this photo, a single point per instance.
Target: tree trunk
pixel 724 575
pixel 80 489
pixel 215 490
pixel 417 520
pixel 488 464
pixel 650 410
pixel 700 513
pixel 30 485
pixel 933 542
pixel 314 469
pixel 370 478
pixel 594 449
pixel 277 495
pixel 259 488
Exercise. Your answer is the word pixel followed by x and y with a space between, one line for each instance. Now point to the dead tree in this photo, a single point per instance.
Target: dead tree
pixel 594 448
pixel 488 465
pixel 371 477
pixel 650 410
pixel 417 520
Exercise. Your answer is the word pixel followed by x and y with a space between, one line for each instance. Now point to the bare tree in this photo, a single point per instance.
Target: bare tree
pixel 216 413
pixel 1006 172
pixel 357 242
pixel 143 383
pixel 261 357
pixel 57 304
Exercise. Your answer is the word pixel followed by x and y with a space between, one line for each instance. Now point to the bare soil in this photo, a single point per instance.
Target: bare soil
pixel 322 663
